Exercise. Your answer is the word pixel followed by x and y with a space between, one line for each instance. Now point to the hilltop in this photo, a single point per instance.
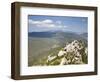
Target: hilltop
pixel 73 53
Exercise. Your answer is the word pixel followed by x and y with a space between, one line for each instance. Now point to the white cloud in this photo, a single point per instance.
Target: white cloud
pixel 47 21
pixel 34 22
pixel 58 22
pixel 47 24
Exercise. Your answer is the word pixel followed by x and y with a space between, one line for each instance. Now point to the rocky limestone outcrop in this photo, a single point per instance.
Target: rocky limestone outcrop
pixel 73 53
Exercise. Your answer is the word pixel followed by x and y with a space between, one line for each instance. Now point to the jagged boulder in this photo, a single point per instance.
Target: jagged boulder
pixel 64 61
pixel 73 53
pixel 61 53
pixel 51 58
pixel 86 51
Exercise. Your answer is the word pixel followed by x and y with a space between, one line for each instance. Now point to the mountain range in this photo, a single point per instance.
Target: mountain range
pixel 43 44
pixel 58 34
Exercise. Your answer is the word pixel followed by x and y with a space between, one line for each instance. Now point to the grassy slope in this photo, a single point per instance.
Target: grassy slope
pixel 39 48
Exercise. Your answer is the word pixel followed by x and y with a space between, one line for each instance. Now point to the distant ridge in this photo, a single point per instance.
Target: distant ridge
pixel 49 34
pixel 58 34
pixel 84 35
pixel 41 34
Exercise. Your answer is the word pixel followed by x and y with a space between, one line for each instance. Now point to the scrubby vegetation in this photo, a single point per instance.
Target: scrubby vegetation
pixel 74 52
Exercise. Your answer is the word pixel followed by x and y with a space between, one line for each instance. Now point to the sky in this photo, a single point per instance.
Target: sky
pixel 40 23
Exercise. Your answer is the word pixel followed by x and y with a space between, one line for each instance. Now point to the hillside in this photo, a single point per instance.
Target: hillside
pixel 44 44
pixel 73 53
pixel 57 34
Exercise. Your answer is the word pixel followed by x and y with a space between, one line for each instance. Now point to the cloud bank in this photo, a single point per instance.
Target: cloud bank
pixel 46 24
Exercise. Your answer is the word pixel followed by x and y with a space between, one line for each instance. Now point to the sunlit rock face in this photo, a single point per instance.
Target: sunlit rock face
pixel 74 46
pixel 86 50
pixel 64 61
pixel 61 53
pixel 73 53
pixel 50 58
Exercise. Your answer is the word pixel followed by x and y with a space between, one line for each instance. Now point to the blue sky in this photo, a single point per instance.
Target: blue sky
pixel 40 23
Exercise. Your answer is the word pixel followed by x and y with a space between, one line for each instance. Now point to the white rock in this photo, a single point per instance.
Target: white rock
pixel 73 50
pixel 50 58
pixel 61 53
pixel 86 51
pixel 64 61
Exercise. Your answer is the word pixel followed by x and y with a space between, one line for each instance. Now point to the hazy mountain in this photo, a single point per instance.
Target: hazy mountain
pixel 57 34
pixel 41 34
pixel 84 35
pixel 42 44
pixel 62 37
